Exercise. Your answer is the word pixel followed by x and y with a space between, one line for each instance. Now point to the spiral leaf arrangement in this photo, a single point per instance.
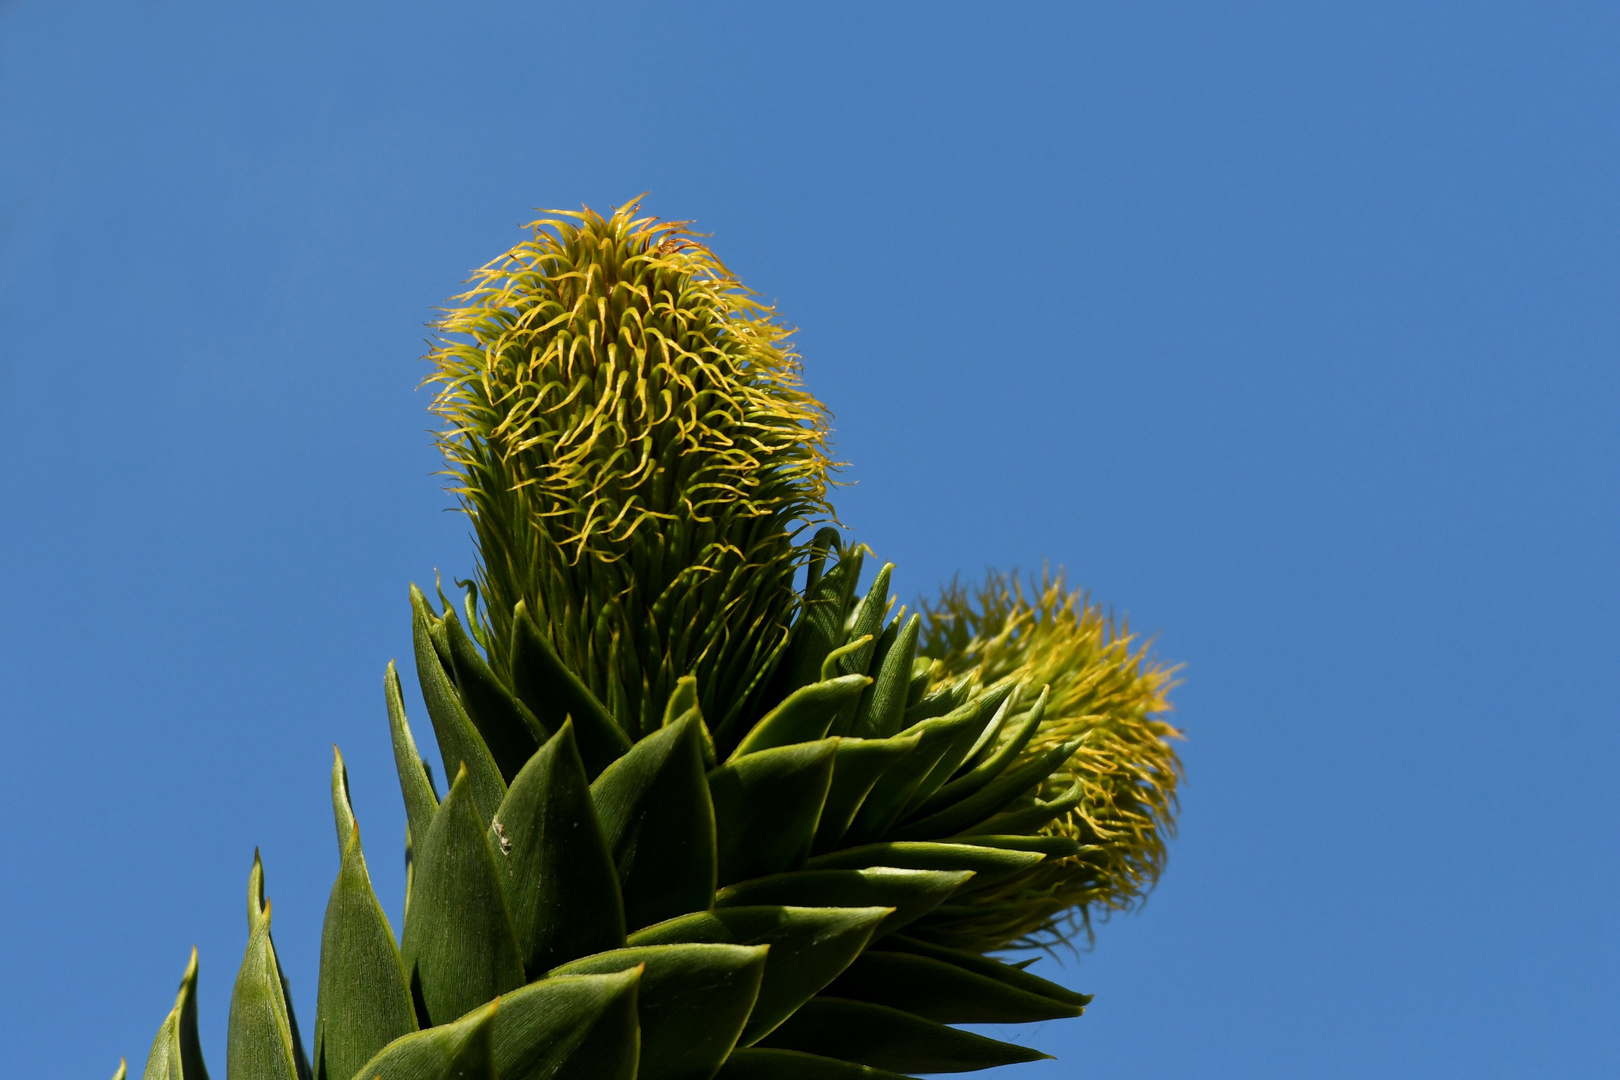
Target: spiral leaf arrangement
pixel 699 823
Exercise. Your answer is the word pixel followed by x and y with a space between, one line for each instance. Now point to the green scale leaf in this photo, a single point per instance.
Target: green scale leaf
pixel 808 948
pixel 461 1050
pixel 460 744
pixel 886 1038
pixel 261 1037
pixel 658 821
pixel 766 807
pixel 459 947
pixel 911 893
pixel 558 871
pixel 693 1002
pixel 943 992
pixel 575 1027
pixel 364 999
pixel 176 1053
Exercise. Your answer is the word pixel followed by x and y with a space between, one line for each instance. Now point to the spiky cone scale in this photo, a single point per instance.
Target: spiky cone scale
pixel 627 432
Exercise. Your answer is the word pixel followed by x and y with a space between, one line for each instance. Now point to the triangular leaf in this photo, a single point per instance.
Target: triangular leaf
pixel 943 992
pixel 459 947
pixel 911 893
pixel 693 1002
pixel 259 1040
pixel 654 807
pixel 857 766
pixel 804 716
pixel 510 731
pixel 578 1027
pixel 894 789
pixel 883 705
pixel 364 1001
pixel 809 947
pixel 988 864
pixel 766 806
pixel 1008 974
pixel 176 1053
pixel 460 1050
pixel 890 1039
pixel 560 882
pixel 554 693
pixel 420 801
pixel 991 798
pixel 758 1064
pixel 459 741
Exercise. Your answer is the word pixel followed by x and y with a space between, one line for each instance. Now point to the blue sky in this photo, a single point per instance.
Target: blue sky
pixel 1289 329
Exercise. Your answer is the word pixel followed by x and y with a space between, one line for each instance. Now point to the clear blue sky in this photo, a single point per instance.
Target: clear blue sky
pixel 1289 329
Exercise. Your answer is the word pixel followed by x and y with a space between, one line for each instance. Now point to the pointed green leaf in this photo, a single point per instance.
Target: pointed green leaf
pixel 766 806
pixel 820 628
pixel 758 1064
pixel 857 766
pixel 985 967
pixel 654 807
pixel 420 801
pixel 1053 847
pixel 560 881
pixel 883 705
pixel 459 741
pixel 994 705
pixel 911 893
pixel 259 1040
pixel 176 1053
pixel 988 864
pixel 893 790
pixel 943 992
pixel 684 700
pixel 578 1027
pixel 990 799
pixel 459 947
pixel 1030 818
pixel 890 1039
pixel 867 621
pixel 992 767
pixel 693 1002
pixel 553 693
pixel 455 1051
pixel 808 948
pixel 122 1071
pixel 363 1002
pixel 510 731
pixel 805 715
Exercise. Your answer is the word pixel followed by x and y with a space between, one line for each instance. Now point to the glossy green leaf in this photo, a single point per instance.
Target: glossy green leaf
pixel 364 1001
pixel 944 992
pixel 883 706
pixel 578 1027
pixel 1007 974
pixel 1053 847
pixel 460 1050
pixel 856 767
pixel 887 1038
pixel 911 893
pixel 259 1037
pixel 991 798
pixel 808 948
pixel 992 707
pixel 459 741
pixel 766 806
pixel 1030 818
pixel 993 765
pixel 867 621
pixel 654 807
pixel 560 882
pixel 510 731
pixel 759 1064
pixel 988 864
pixel 176 1053
pixel 894 789
pixel 420 801
pixel 693 1002
pixel 804 716
pixel 683 700
pixel 553 693
pixel 459 947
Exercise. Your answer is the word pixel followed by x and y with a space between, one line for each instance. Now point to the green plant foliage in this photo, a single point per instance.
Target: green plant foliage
pixel 698 824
